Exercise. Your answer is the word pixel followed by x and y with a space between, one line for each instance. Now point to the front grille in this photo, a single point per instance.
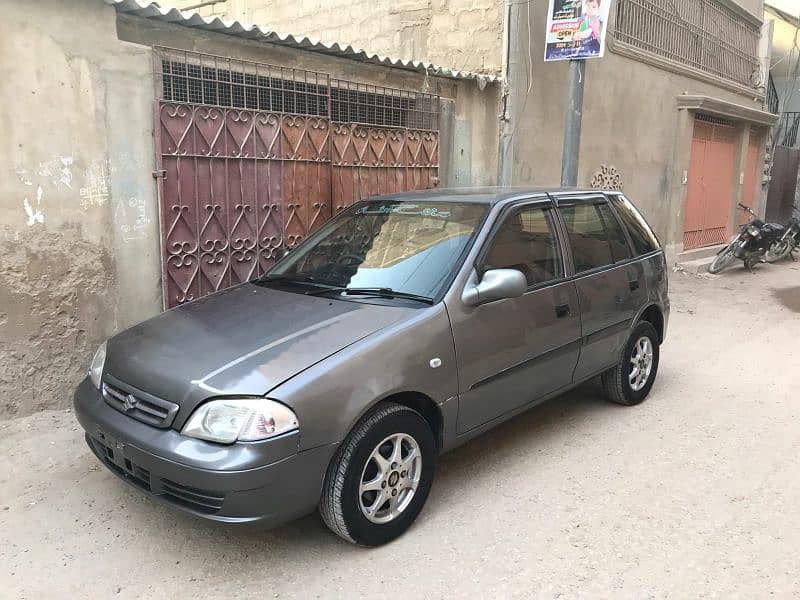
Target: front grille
pixel 140 405
pixel 199 500
pixel 202 501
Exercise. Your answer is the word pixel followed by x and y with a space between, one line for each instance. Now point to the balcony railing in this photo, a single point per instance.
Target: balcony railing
pixel 787 129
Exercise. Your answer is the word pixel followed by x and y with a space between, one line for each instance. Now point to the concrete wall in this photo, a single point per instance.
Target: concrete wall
pixel 79 227
pixel 77 205
pixel 630 121
pixel 461 34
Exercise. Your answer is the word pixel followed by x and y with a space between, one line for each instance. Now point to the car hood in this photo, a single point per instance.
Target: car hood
pixel 245 340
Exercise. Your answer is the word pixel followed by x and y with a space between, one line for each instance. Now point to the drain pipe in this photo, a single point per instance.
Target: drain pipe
pixel 505 153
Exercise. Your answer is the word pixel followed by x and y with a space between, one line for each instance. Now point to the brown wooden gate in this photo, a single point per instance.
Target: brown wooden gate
pixel 710 183
pixel 252 158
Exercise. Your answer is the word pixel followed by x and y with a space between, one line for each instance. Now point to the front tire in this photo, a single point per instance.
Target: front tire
pixel 380 477
pixel 722 260
pixel 630 381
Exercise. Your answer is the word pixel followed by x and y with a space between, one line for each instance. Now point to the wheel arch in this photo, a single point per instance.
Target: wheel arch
pixel 653 315
pixel 416 401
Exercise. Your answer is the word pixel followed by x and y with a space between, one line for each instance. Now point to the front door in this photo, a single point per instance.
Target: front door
pixel 514 351
pixel 709 191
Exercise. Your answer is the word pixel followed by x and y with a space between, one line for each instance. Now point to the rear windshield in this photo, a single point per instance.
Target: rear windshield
pixel 643 238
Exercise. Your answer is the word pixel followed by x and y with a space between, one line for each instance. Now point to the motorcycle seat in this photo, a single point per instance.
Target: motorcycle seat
pixel 774 228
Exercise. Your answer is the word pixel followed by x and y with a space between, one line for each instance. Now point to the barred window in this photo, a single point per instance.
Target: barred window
pixel 184 76
pixel 704 34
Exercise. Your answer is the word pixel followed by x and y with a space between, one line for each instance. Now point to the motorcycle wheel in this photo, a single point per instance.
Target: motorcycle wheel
pixel 778 250
pixel 722 260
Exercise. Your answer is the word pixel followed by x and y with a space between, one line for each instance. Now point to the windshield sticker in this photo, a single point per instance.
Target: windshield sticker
pixel 404 209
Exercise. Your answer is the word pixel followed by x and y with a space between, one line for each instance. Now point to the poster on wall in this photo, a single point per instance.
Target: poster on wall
pixel 576 29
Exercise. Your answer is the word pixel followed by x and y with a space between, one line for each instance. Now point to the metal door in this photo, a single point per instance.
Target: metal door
pixel 252 158
pixel 710 183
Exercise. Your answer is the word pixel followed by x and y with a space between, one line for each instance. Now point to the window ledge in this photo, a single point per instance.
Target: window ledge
pixel 722 108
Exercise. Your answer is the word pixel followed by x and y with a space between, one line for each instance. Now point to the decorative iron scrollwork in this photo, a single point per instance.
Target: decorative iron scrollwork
pixel 606 178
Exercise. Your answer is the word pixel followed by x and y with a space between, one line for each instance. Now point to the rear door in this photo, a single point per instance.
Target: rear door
pixel 610 286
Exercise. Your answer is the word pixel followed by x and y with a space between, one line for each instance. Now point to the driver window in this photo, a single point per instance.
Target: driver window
pixel 526 241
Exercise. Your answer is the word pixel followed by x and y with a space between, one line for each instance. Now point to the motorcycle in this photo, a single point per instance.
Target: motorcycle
pixel 754 242
pixel 789 241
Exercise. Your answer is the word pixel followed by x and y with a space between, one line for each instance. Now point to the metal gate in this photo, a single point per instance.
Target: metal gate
pixel 710 183
pixel 252 158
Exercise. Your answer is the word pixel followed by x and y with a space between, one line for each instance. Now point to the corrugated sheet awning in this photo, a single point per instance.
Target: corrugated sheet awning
pixel 151 10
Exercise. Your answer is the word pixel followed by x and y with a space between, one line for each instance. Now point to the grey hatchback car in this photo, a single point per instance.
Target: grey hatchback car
pixel 403 327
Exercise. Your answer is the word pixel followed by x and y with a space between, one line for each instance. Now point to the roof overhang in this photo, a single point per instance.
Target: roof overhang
pixel 723 108
pixel 151 10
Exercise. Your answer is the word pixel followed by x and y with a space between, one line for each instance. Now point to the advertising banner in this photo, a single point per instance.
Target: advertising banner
pixel 576 29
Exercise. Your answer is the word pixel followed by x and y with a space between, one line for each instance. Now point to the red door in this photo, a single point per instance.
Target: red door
pixel 710 185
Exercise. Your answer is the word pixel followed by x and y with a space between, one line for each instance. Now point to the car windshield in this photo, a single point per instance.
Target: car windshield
pixel 406 247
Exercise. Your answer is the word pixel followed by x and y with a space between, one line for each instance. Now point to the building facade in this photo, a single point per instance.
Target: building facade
pixel 151 158
pixel 784 100
pixel 674 113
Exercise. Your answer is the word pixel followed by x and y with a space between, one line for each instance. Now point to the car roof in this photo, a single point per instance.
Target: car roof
pixel 478 195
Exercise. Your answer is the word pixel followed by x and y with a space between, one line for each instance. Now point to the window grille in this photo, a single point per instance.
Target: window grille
pixel 712 119
pixel 704 34
pixel 189 77
pixel 387 107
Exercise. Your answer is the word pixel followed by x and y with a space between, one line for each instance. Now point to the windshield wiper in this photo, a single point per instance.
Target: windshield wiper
pixel 380 292
pixel 305 279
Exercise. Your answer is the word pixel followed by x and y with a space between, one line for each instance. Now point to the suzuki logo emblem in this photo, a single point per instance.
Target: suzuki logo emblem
pixel 130 402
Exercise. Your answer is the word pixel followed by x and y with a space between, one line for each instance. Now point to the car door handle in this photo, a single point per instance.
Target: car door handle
pixel 562 310
pixel 633 284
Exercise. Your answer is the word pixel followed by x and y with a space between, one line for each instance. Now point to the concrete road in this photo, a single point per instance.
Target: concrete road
pixel 695 493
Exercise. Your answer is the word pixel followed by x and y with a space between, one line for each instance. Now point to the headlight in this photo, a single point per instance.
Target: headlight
pixel 96 368
pixel 244 419
pixel 753 230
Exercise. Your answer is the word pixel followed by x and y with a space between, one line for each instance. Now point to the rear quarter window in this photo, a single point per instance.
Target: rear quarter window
pixel 642 236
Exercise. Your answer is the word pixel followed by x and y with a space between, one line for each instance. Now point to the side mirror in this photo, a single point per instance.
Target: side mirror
pixel 496 284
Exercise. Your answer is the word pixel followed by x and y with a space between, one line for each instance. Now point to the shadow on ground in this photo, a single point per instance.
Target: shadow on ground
pixel 536 430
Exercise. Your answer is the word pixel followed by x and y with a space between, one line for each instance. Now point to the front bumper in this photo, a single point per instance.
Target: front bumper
pixel 269 482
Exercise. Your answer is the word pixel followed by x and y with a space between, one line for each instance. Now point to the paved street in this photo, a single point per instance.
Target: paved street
pixel 695 493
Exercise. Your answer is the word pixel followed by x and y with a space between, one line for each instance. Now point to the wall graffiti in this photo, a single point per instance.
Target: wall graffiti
pixel 95 191
pixel 137 208
pixel 61 177
pixel 34 216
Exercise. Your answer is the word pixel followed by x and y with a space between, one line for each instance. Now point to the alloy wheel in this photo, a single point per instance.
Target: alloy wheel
pixel 641 363
pixel 390 478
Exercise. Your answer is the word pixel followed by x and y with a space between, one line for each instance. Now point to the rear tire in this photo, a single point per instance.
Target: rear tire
pixel 365 460
pixel 778 250
pixel 630 381
pixel 722 260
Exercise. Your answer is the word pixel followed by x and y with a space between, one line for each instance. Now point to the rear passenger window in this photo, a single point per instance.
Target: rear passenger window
pixel 643 238
pixel 526 242
pixel 588 236
pixel 616 235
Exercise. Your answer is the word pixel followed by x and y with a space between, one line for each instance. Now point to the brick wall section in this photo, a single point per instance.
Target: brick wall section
pixel 460 34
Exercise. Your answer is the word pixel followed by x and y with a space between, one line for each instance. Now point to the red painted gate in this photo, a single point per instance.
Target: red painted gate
pixel 253 157
pixel 710 185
